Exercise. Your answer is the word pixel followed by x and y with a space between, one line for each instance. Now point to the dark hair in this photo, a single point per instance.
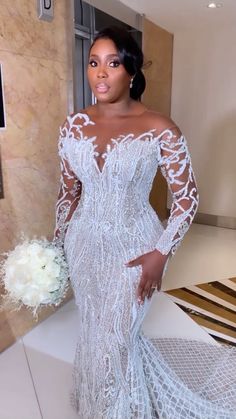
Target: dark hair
pixel 130 54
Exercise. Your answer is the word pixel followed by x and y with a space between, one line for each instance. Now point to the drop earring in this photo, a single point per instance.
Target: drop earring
pixel 131 83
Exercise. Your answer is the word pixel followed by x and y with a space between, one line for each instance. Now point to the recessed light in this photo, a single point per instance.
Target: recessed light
pixel 214 5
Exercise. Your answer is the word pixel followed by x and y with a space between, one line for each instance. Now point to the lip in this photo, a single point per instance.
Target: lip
pixel 102 87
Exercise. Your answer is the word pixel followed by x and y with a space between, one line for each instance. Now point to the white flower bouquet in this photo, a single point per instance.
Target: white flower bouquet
pixel 35 273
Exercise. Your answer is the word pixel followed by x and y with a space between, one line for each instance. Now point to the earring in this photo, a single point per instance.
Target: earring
pixel 131 83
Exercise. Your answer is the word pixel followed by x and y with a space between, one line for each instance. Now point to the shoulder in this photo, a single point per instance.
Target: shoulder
pixel 76 120
pixel 161 122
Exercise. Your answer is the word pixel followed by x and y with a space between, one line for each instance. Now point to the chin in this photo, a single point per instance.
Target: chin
pixel 102 98
pixel 105 99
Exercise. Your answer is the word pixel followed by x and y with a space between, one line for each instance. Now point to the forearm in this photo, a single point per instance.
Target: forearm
pixel 176 229
pixel 65 207
pixel 177 169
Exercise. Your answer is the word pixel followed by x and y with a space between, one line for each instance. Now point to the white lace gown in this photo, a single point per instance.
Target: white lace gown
pixel 104 219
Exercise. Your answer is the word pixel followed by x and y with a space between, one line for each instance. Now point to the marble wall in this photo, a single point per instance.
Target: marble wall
pixel 33 54
pixel 36 75
pixel 158 49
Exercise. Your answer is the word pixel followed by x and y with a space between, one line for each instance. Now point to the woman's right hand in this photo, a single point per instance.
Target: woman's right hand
pixel 153 264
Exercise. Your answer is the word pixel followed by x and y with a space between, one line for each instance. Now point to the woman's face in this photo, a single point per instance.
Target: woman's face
pixel 107 77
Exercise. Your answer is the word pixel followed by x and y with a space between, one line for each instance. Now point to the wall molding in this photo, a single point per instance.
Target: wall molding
pixel 216 220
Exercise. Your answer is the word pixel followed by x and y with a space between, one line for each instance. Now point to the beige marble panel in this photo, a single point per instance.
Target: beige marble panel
pixel 29 144
pixel 24 8
pixel 36 104
pixel 24 33
pixel 158 48
pixel 64 28
pixel 30 200
pixel 37 68
pixel 27 37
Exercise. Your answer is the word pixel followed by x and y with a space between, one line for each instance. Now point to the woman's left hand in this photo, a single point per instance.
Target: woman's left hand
pixel 153 264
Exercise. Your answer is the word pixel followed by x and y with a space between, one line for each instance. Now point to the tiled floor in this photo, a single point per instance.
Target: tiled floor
pixel 35 373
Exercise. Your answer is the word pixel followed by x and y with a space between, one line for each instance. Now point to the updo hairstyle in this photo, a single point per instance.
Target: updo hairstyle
pixel 131 56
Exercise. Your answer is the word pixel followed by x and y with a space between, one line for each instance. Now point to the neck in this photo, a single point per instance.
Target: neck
pixel 111 110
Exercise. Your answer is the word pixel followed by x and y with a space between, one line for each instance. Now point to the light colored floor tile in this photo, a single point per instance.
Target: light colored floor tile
pixel 17 395
pixel 69 306
pixel 56 336
pixel 53 380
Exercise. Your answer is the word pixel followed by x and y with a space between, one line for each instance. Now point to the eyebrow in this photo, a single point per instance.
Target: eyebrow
pixel 108 56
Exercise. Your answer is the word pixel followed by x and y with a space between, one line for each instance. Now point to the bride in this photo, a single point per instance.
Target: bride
pixel 117 250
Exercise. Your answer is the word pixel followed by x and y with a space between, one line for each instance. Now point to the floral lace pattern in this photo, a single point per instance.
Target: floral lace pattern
pixel 118 372
pixel 173 158
pixel 68 198
pixel 176 167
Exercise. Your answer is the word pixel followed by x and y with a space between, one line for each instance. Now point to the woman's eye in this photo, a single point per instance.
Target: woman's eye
pixel 114 63
pixel 92 63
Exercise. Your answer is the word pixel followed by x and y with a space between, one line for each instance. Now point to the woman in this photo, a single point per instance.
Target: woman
pixel 116 246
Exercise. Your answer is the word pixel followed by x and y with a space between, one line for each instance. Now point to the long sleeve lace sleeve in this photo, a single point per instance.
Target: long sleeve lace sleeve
pixel 69 192
pixel 176 167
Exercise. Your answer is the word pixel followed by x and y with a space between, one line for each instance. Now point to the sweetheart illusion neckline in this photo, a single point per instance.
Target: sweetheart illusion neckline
pixel 130 137
pixel 113 145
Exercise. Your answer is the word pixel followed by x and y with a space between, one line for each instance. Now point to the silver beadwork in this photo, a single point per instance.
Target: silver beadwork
pixel 118 371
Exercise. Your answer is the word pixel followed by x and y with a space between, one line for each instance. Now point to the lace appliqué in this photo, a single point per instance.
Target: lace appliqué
pixel 175 164
pixel 69 191
pixel 118 372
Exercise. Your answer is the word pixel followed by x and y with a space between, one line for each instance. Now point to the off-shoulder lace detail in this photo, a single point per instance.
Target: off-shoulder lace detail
pixel 176 167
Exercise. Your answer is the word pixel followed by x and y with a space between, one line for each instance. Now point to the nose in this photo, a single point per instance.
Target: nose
pixel 101 73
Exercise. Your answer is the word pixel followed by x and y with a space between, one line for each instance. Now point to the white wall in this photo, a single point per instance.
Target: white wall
pixel 204 106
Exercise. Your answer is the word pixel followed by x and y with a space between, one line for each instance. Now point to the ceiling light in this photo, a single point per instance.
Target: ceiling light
pixel 214 5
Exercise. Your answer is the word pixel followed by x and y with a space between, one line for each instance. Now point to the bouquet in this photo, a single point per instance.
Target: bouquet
pixel 35 273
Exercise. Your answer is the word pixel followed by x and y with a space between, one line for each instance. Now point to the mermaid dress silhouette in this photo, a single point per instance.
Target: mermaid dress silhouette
pixel 104 219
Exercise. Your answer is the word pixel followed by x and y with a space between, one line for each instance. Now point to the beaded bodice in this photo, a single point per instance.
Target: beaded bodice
pixel 114 196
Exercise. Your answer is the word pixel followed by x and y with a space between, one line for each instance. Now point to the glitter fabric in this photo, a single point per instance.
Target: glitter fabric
pixel 104 219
